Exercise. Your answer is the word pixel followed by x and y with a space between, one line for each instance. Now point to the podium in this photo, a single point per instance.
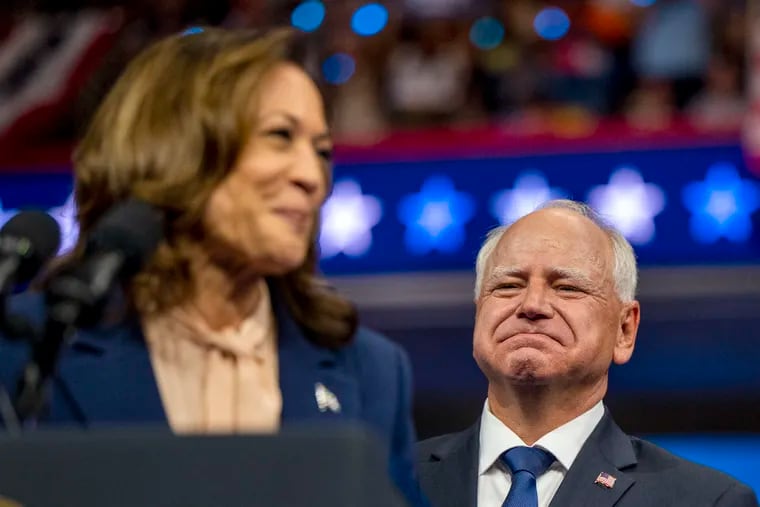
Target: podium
pixel 337 467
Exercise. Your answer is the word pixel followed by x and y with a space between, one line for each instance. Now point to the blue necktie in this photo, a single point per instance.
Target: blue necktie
pixel 526 464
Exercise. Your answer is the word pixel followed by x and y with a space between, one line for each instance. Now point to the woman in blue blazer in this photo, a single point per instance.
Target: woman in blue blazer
pixel 227 328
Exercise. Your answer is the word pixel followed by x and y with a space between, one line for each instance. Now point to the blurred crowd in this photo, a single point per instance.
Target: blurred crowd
pixel 644 62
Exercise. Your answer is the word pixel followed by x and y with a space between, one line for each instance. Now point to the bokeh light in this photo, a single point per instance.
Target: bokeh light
pixel 308 16
pixel 551 23
pixel 487 33
pixel 338 68
pixel 369 19
pixel 643 3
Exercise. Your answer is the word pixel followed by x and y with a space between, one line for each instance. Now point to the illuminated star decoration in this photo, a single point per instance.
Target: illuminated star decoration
pixel 6 214
pixel 629 204
pixel 721 205
pixel 435 217
pixel 531 190
pixel 66 216
pixel 347 220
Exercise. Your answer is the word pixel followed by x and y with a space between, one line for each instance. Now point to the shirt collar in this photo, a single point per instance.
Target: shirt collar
pixel 564 442
pixel 246 340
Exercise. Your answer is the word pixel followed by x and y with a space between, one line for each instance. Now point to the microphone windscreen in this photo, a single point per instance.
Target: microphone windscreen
pixel 134 228
pixel 35 237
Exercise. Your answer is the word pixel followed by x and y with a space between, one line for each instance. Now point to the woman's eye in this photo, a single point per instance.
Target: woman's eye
pixel 284 134
pixel 326 154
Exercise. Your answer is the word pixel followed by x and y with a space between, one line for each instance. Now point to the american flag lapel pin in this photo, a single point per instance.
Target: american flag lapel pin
pixel 326 400
pixel 605 479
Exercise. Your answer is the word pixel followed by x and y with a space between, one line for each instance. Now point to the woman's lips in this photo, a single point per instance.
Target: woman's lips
pixel 298 219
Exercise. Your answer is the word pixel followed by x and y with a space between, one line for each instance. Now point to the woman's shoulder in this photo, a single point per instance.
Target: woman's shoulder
pixel 379 356
pixel 25 317
pixel 374 344
pixel 29 305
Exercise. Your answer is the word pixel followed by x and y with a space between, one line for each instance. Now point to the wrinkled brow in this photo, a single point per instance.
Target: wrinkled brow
pixel 575 274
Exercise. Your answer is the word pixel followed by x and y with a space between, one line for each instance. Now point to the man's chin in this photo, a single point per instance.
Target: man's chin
pixel 528 370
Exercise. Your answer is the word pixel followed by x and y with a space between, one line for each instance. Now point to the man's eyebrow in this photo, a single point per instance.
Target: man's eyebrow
pixel 572 274
pixel 568 272
pixel 504 271
pixel 561 272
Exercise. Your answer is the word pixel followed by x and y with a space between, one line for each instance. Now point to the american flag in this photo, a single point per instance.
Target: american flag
pixel 48 65
pixel 605 480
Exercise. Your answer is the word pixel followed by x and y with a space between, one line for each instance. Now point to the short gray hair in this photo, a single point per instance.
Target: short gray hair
pixel 624 272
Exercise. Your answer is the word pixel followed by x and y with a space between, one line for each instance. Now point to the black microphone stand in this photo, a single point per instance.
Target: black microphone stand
pixel 69 299
pixel 14 328
pixel 118 246
pixel 33 390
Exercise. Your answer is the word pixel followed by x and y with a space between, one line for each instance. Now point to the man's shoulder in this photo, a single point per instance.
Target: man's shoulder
pixel 677 481
pixel 439 447
pixel 660 464
pixel 432 445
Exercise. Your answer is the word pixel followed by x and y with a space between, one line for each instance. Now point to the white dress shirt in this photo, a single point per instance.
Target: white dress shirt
pixel 565 442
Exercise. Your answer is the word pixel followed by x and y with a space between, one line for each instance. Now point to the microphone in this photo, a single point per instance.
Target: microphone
pixel 119 246
pixel 27 242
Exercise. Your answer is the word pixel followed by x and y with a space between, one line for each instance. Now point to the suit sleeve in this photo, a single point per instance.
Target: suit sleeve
pixel 738 495
pixel 402 468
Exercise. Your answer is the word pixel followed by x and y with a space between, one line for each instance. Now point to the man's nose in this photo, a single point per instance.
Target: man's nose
pixel 535 303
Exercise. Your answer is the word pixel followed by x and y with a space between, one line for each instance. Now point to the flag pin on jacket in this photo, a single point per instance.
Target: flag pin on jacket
pixel 605 479
pixel 326 400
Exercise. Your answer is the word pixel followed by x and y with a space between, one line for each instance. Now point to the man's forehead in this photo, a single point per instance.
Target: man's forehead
pixel 564 237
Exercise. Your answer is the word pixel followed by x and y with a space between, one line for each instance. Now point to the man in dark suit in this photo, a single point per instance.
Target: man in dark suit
pixel 555 308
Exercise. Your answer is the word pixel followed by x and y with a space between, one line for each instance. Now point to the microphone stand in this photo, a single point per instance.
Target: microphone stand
pixel 14 328
pixel 33 390
pixel 67 297
pixel 8 266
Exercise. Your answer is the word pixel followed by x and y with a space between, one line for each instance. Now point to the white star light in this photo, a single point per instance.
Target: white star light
pixel 531 190
pixel 66 216
pixel 722 205
pixel 436 216
pixel 630 204
pixel 347 220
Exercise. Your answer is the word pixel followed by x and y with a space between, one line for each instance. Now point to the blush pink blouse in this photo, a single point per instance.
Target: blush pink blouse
pixel 217 381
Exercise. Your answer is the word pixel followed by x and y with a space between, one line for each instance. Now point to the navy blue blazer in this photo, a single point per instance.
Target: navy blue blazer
pixel 105 378
pixel 646 475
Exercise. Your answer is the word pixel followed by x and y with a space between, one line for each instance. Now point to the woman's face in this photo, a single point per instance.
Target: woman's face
pixel 266 207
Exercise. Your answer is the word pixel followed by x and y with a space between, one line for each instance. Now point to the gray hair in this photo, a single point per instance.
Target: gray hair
pixel 624 272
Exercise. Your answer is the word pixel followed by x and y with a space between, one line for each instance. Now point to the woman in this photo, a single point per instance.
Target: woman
pixel 231 330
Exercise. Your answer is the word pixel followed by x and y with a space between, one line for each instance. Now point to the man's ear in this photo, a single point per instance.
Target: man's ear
pixel 630 315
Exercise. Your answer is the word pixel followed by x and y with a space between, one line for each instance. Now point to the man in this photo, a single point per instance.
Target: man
pixel 555 307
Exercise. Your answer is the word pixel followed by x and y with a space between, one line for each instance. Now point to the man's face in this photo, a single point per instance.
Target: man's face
pixel 548 312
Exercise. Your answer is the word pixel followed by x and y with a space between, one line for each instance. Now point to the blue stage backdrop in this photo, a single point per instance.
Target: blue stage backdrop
pixel 695 205
pixel 677 206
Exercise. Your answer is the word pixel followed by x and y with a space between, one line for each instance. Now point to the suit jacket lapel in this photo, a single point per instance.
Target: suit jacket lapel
pixel 108 378
pixel 317 383
pixel 608 450
pixel 451 470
